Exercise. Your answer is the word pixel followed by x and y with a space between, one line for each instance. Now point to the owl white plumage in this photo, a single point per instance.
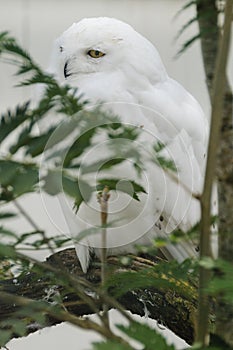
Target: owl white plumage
pixel 113 65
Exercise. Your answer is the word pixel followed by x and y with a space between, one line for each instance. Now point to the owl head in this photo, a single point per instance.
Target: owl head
pixel 101 46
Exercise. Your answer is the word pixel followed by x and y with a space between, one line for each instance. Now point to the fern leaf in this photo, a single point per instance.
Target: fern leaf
pixel 185 26
pixel 186 6
pixel 11 120
pixel 12 47
pixel 145 335
pixel 18 177
pixel 188 43
pixel 79 146
pixel 23 139
pixel 36 145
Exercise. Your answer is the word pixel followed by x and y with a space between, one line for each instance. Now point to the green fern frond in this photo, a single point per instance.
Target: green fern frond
pixel 14 48
pixel 5 38
pixel 185 26
pixel 187 44
pixel 38 78
pixel 185 7
pixel 12 119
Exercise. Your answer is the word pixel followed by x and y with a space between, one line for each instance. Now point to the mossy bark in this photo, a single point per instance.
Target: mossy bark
pixel 166 306
pixel 208 16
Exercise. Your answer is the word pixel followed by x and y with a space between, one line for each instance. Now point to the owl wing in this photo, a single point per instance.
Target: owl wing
pixel 183 128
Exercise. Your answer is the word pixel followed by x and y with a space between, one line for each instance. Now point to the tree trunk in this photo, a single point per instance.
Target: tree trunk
pixel 208 22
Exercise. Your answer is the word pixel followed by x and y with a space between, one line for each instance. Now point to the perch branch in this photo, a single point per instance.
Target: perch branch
pixel 170 309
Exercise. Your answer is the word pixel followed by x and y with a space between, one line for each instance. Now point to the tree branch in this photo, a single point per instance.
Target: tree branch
pixel 220 144
pixel 166 306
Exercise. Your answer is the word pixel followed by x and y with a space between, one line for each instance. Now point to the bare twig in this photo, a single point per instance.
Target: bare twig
pixel 217 109
pixel 62 315
pixel 103 198
pixel 79 286
pixel 34 225
pixel 175 178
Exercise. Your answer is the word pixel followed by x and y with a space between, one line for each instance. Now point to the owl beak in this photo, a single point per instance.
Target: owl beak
pixel 66 71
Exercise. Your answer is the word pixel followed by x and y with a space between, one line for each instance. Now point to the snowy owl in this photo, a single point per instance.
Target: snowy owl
pixel 118 69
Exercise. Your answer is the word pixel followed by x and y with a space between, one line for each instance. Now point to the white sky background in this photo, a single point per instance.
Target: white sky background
pixel 36 24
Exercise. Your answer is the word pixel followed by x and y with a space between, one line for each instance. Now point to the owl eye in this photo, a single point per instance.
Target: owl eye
pixel 95 53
